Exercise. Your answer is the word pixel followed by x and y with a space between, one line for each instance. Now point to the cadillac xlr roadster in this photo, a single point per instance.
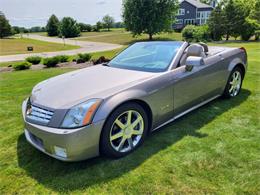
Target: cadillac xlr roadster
pixel 110 108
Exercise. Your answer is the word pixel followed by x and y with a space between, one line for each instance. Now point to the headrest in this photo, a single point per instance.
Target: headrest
pixel 205 47
pixel 195 50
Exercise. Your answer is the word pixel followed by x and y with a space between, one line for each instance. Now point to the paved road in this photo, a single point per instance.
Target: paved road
pixel 86 47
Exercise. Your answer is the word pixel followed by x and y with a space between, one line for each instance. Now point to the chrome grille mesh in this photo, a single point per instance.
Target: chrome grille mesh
pixel 39 114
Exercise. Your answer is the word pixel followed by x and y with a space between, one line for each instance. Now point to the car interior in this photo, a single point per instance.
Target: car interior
pixel 197 50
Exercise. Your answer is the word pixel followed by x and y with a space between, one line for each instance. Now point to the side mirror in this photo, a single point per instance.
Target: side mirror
pixel 194 61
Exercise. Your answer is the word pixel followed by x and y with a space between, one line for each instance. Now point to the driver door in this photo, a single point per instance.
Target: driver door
pixel 193 87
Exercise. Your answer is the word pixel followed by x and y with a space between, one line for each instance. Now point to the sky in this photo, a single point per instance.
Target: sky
pixel 28 13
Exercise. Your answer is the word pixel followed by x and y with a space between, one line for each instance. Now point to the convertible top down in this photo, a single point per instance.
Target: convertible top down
pixel 110 108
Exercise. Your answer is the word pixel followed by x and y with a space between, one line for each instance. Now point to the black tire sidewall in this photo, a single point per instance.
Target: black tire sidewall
pixel 105 146
pixel 226 93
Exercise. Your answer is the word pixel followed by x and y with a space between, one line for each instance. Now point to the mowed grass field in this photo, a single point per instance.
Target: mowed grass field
pixel 19 46
pixel 212 150
pixel 124 38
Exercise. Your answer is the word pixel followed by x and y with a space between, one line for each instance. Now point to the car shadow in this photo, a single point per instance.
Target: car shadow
pixel 63 177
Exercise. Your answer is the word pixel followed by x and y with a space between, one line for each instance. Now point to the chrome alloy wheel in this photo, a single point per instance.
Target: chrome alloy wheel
pixel 235 83
pixel 127 131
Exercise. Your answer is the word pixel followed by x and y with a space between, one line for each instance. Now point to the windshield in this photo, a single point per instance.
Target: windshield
pixel 147 56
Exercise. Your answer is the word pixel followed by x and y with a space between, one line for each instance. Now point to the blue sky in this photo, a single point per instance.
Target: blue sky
pixel 30 13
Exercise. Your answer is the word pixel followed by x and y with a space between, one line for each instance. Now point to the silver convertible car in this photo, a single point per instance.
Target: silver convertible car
pixel 110 108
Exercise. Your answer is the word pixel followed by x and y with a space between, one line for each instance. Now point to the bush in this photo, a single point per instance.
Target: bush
pixel 22 66
pixel 34 59
pixel 249 28
pixel 188 33
pixel 63 58
pixel 257 35
pixel 202 33
pixel 51 62
pixel 196 33
pixel 83 58
pixel 101 60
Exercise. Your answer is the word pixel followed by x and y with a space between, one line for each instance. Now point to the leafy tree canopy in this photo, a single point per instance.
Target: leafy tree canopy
pixel 149 16
pixel 52 26
pixel 5 27
pixel 108 21
pixel 69 28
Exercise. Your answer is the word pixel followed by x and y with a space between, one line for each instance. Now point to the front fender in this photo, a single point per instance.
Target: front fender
pixel 112 102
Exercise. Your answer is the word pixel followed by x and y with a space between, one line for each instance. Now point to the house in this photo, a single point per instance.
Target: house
pixel 192 12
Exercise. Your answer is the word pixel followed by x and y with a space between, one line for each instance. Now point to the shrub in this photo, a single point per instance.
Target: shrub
pixel 51 62
pixel 196 33
pixel 63 58
pixel 22 65
pixel 257 35
pixel 188 33
pixel 201 33
pixel 101 60
pixel 34 59
pixel 83 58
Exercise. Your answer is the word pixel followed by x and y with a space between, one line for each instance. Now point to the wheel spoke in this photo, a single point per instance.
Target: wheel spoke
pixel 130 142
pixel 129 117
pixel 119 124
pixel 137 132
pixel 136 122
pixel 121 144
pixel 231 89
pixel 116 136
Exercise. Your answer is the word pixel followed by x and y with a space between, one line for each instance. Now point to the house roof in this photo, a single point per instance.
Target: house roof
pixel 197 4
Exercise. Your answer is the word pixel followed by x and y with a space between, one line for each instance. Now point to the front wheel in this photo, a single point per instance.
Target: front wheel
pixel 124 130
pixel 234 83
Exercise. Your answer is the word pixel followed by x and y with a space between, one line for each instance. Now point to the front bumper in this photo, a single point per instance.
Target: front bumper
pixel 77 144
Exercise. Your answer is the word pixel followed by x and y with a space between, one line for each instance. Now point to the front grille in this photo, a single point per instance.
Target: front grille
pixel 39 114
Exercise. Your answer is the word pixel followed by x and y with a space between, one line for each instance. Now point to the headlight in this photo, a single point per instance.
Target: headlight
pixel 81 114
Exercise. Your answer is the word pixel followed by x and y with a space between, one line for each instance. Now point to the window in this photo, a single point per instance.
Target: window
pixel 189 21
pixel 181 12
pixel 179 21
pixel 203 16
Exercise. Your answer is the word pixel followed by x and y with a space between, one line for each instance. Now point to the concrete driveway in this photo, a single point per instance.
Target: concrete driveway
pixel 86 47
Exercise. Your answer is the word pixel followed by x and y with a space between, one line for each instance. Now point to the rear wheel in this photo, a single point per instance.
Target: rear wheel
pixel 124 130
pixel 234 83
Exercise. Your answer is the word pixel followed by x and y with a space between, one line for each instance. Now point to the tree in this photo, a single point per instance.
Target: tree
pixel 216 23
pixel 255 14
pixel 149 16
pixel 5 27
pixel 98 26
pixel 85 27
pixel 69 27
pixel 16 29
pixel 52 26
pixel 249 27
pixel 108 21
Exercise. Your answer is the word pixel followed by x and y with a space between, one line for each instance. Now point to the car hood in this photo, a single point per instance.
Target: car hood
pixel 67 90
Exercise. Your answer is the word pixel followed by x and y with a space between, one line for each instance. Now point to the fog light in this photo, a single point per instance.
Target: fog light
pixel 61 152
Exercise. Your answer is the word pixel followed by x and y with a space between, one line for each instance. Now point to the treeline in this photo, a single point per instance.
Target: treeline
pixel 67 26
pixel 231 18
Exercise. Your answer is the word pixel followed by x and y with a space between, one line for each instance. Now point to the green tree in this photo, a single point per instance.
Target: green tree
pixel 5 27
pixel 69 27
pixel 215 23
pixel 85 27
pixel 98 26
pixel 52 26
pixel 255 13
pixel 149 16
pixel 108 22
pixel 249 27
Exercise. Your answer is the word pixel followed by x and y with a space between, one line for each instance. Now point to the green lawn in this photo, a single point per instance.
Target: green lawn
pixel 19 46
pixel 215 149
pixel 125 38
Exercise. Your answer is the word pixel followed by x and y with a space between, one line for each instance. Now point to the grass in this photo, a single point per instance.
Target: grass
pixel 19 46
pixel 214 149
pixel 126 38
pixel 108 54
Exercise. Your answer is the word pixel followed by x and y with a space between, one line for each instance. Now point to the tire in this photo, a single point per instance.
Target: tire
pixel 233 86
pixel 118 129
